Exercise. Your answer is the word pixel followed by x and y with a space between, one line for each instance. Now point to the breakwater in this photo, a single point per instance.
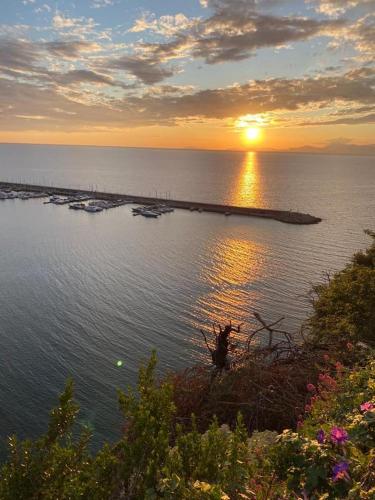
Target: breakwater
pixel 285 216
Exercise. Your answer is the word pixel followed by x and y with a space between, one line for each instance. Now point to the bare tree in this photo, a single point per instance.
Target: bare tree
pixel 222 346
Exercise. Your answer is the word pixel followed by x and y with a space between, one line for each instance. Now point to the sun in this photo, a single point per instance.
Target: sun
pixel 253 134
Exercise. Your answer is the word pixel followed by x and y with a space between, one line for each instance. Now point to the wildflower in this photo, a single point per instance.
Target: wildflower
pixel 350 346
pixel 311 387
pixel 320 436
pixel 327 381
pixel 340 471
pixel 367 406
pixel 307 408
pixel 339 435
pixel 339 367
pixel 299 424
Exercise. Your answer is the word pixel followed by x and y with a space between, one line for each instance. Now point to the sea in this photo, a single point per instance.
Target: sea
pixel 90 296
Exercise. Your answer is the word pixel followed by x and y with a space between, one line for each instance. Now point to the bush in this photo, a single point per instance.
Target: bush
pixel 344 308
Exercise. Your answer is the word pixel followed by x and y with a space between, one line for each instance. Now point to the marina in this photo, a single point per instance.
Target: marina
pixel 152 206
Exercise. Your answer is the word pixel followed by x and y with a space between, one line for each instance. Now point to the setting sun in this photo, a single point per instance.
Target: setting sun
pixel 253 134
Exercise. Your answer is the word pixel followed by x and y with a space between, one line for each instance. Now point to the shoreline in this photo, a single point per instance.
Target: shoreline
pixel 284 216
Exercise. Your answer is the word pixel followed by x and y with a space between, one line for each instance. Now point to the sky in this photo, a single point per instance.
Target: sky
pixel 208 74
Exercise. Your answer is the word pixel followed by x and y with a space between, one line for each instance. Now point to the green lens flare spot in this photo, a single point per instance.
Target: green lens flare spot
pixel 119 363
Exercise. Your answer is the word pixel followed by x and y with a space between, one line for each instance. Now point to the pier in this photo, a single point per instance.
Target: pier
pixel 285 216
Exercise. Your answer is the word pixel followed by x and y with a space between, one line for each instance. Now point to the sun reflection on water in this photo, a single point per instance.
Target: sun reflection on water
pixel 234 264
pixel 248 189
pixel 231 279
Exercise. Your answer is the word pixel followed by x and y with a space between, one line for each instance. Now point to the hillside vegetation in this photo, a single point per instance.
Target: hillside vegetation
pixel 289 427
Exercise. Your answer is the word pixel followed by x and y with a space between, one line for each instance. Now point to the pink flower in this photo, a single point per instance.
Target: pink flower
pixel 327 381
pixel 299 424
pixel 311 387
pixel 339 366
pixel 339 435
pixel 367 406
pixel 307 408
pixel 350 346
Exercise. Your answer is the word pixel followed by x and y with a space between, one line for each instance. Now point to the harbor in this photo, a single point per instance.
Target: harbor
pixel 153 206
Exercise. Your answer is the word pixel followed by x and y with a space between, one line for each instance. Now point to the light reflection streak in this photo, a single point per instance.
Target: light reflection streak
pixel 248 189
pixel 236 266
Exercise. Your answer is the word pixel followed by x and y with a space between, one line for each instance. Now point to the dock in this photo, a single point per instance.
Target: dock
pixel 286 216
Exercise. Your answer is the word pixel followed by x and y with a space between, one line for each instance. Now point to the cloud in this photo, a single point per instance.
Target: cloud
pixel 29 58
pixel 70 49
pixel 262 96
pixel 167 26
pixel 82 76
pixel 168 105
pixel 337 7
pixel 73 26
pixel 235 35
pixel 43 8
pixel 146 69
pixel 19 54
pixel 234 31
pixel 346 120
pixel 99 4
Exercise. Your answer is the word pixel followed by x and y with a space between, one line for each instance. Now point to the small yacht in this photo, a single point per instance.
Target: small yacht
pixel 165 209
pixel 101 203
pixel 93 209
pixel 77 206
pixel 150 214
pixel 139 210
pixel 23 196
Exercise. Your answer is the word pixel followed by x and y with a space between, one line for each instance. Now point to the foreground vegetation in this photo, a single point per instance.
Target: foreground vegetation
pixel 298 426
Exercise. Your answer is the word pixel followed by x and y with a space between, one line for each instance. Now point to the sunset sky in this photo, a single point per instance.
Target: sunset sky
pixel 215 74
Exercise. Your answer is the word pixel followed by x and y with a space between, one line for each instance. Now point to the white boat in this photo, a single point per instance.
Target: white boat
pixel 26 196
pixel 101 203
pixel 77 206
pixel 150 214
pixel 54 198
pixel 93 209
pixel 164 209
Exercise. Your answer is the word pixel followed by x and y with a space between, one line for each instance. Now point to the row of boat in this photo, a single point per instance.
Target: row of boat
pixel 22 195
pixel 152 211
pixel 97 205
pixel 76 202
pixel 64 200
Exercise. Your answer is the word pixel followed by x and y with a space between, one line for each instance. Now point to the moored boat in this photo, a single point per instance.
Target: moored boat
pixel 77 206
pixel 93 209
pixel 150 214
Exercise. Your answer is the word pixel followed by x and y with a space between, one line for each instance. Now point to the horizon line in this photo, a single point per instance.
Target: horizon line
pixel 267 151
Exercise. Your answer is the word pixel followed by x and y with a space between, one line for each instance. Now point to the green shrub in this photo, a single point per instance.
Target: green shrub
pixel 344 309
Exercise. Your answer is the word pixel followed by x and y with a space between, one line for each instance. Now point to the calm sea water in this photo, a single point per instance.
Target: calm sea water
pixel 81 291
